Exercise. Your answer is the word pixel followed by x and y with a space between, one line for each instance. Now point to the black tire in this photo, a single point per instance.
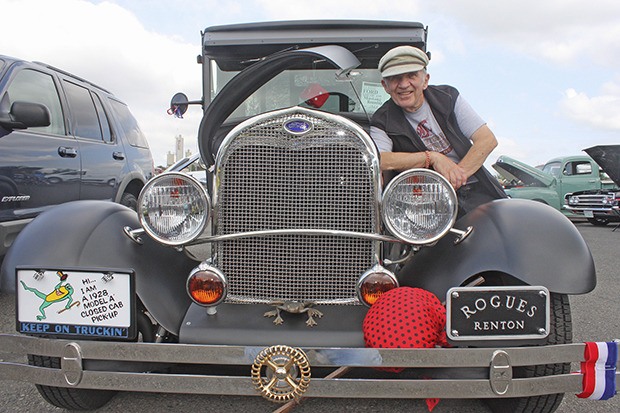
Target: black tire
pixel 561 333
pixel 129 200
pixel 85 399
pixel 598 222
pixel 66 398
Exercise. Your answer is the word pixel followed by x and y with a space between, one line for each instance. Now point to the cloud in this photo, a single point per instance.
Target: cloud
pixel 321 9
pixel 109 46
pixel 561 31
pixel 602 111
pixel 184 19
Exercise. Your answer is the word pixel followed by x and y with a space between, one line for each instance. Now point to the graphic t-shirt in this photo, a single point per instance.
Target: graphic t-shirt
pixel 424 123
pixel 426 126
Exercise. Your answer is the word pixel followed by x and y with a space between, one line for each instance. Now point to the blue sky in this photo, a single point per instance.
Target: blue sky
pixel 544 74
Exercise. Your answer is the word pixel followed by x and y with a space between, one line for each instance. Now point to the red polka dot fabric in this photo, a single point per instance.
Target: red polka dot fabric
pixel 405 317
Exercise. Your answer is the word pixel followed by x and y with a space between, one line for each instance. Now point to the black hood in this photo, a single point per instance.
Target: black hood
pixel 608 158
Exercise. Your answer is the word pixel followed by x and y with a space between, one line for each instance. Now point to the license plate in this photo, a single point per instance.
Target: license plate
pixel 497 313
pixel 76 303
pixel 588 213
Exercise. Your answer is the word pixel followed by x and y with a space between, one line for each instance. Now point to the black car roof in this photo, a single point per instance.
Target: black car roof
pixel 234 46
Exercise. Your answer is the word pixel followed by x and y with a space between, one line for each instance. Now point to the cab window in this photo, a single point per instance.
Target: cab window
pixel 578 168
pixel 318 88
pixel 37 87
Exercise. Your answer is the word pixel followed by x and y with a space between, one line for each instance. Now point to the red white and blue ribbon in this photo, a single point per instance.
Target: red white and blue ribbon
pixel 599 371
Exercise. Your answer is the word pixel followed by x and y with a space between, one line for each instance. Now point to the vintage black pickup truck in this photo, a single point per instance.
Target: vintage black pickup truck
pixel 275 266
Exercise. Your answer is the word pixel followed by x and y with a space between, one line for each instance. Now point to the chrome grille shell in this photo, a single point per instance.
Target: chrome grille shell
pixel 592 201
pixel 271 178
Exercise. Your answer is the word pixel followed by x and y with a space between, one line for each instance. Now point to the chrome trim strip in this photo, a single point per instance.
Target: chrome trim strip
pixel 258 234
pixel 593 209
pixel 241 300
pixel 318 357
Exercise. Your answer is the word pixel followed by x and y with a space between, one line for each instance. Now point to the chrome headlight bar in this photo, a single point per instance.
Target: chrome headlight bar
pixel 419 207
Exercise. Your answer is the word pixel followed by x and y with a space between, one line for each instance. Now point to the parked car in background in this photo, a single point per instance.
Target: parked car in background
pixel 193 166
pixel 551 183
pixel 62 138
pixel 597 205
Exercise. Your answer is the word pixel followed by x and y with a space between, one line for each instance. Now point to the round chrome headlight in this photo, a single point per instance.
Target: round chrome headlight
pixel 419 206
pixel 173 208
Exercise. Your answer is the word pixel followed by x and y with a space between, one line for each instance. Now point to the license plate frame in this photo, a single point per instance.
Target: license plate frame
pixel 82 303
pixel 588 213
pixel 497 313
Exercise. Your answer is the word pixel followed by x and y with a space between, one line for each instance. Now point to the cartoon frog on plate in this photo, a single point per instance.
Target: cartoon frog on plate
pixel 62 292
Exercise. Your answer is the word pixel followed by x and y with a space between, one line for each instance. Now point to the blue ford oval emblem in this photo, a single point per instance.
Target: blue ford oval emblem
pixel 297 126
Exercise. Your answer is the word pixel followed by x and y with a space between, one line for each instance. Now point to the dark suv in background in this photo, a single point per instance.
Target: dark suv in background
pixel 63 138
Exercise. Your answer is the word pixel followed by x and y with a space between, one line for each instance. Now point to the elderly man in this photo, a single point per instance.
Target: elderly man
pixel 425 126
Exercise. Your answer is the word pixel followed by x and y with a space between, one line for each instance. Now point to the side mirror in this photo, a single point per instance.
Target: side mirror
pixel 178 105
pixel 26 115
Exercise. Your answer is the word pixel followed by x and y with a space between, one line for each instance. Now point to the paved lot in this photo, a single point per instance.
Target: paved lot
pixel 595 318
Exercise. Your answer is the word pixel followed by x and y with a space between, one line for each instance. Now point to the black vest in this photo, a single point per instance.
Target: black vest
pixel 442 99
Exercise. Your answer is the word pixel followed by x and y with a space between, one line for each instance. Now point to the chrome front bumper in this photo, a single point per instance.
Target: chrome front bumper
pixel 499 363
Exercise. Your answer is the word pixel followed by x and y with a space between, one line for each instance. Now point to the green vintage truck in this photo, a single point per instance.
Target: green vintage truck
pixel 551 183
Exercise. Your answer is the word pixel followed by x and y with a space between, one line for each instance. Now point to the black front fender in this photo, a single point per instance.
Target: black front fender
pixel 526 240
pixel 89 234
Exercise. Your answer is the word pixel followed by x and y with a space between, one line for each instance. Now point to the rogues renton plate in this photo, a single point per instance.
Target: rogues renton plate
pixel 497 313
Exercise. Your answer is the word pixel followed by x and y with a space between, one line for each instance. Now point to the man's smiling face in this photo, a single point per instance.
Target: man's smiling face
pixel 407 90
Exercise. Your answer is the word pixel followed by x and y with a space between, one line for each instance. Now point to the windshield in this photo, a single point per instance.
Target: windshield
pixel 553 168
pixel 361 92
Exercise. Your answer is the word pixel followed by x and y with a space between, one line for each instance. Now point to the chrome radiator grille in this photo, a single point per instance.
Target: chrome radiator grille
pixel 591 201
pixel 269 179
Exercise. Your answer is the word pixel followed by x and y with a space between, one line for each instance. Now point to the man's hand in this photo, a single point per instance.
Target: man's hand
pixel 454 173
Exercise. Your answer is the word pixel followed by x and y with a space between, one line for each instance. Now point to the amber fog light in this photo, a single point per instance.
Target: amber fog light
pixel 207 286
pixel 374 283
